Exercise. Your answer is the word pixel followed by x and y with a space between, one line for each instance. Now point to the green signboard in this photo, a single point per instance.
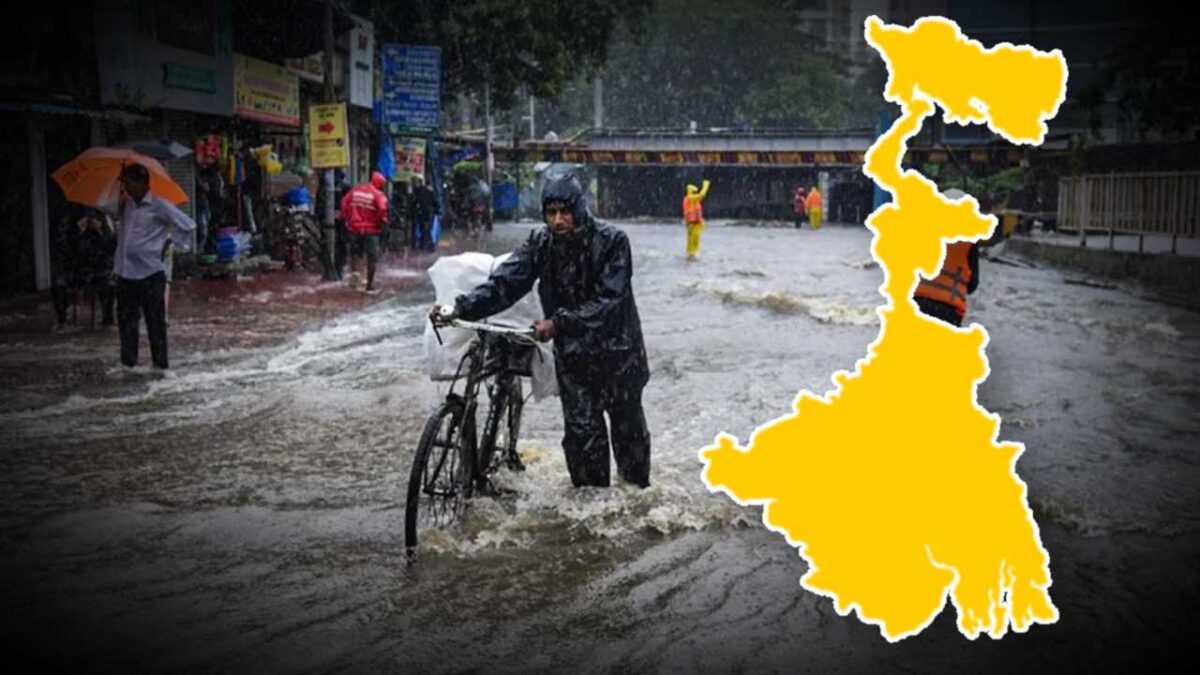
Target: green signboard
pixel 193 78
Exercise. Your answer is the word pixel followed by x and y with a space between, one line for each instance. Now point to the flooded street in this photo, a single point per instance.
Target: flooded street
pixel 243 512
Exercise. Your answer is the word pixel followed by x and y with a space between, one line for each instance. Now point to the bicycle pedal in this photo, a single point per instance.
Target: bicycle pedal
pixel 490 489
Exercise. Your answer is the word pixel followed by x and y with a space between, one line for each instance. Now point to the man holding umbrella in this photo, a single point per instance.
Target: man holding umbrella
pixel 145 225
pixel 139 195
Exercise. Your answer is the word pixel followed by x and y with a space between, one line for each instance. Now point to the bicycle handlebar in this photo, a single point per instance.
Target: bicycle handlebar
pixel 503 329
pixel 523 334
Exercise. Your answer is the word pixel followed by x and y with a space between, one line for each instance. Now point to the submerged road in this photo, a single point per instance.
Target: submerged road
pixel 243 513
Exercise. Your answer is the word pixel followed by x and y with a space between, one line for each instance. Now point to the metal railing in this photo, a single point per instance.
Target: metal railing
pixel 1131 203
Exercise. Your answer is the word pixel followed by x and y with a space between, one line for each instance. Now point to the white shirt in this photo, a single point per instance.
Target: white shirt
pixel 143 228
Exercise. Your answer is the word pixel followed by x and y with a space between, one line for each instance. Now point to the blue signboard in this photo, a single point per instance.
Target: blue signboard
pixel 412 86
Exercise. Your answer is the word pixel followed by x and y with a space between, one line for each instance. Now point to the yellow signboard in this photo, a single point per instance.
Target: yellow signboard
pixel 266 92
pixel 328 146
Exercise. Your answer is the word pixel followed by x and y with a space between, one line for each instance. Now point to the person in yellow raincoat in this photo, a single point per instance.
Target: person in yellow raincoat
pixel 813 204
pixel 693 217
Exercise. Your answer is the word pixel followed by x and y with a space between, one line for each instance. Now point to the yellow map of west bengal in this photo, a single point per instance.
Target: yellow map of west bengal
pixel 893 485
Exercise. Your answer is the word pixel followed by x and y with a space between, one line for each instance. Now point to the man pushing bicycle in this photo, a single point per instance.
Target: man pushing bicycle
pixel 585 269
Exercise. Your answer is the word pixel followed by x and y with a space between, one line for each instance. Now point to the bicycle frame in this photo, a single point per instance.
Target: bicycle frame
pixel 477 352
pixel 478 371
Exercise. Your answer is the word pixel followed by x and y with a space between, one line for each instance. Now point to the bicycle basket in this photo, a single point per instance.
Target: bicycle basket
pixel 520 359
pixel 515 357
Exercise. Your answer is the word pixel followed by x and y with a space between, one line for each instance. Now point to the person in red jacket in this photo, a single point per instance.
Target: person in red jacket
pixel 365 211
pixel 799 210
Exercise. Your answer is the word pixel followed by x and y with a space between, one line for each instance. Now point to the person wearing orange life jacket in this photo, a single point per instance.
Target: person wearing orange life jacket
pixel 812 203
pixel 693 217
pixel 945 296
pixel 365 210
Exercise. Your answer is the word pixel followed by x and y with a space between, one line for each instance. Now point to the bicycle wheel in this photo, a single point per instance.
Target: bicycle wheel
pixel 312 238
pixel 499 443
pixel 516 402
pixel 494 430
pixel 439 482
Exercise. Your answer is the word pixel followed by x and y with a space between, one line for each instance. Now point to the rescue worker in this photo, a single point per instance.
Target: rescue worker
pixel 812 204
pixel 693 217
pixel 584 270
pixel 945 296
pixel 365 210
pixel 798 208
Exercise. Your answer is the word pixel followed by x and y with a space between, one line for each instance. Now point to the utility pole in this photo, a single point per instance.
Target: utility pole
pixel 532 128
pixel 598 103
pixel 327 226
pixel 488 161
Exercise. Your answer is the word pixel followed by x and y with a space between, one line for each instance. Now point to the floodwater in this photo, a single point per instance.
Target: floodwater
pixel 244 511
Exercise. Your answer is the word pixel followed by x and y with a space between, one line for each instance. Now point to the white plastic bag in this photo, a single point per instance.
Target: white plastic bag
pixel 457 275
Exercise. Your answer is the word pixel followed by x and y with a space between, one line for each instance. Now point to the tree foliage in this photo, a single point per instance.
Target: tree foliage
pixel 1154 78
pixel 808 93
pixel 723 66
pixel 537 45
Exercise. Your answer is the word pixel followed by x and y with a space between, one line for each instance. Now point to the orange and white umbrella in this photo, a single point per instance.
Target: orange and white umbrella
pixel 92 178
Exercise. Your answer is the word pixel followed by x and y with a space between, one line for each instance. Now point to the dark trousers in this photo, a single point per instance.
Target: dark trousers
pixel 137 297
pixel 340 235
pixel 586 441
pixel 423 235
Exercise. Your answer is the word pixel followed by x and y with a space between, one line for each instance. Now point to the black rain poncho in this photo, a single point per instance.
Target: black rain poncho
pixel 586 288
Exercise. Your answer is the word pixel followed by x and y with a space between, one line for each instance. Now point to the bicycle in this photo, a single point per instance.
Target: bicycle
pixel 451 464
pixel 296 235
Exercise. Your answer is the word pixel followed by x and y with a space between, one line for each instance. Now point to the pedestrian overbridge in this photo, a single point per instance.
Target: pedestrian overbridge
pixel 799 148
pixel 643 172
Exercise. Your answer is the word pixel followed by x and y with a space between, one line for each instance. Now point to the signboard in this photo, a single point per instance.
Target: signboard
pixel 185 76
pixel 410 159
pixel 724 158
pixel 328 146
pixel 265 92
pixel 310 68
pixel 412 86
pixel 362 63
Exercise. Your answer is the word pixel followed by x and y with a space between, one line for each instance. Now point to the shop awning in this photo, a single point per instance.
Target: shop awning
pixel 51 109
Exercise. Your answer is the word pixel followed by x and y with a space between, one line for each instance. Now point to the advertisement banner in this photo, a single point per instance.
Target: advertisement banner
pixel 310 68
pixel 410 159
pixel 328 145
pixel 265 92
